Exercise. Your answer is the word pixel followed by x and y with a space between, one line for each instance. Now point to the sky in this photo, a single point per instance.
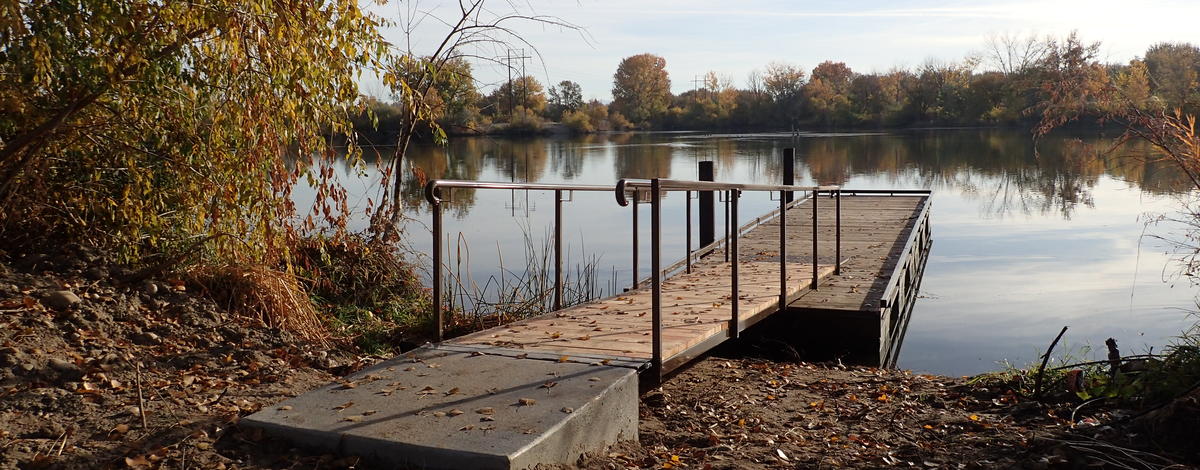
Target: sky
pixel 734 37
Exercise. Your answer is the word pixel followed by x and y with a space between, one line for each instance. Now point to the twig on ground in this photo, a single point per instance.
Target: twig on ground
pixel 66 435
pixel 1037 383
pixel 141 398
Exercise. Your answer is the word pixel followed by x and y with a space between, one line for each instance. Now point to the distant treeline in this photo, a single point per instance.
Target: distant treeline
pixel 1003 86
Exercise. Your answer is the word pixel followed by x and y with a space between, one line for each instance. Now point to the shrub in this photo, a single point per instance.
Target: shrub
pixel 578 122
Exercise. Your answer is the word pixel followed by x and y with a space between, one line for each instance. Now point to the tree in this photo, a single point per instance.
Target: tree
pixel 827 92
pixel 154 127
pixel 597 114
pixel 785 84
pixel 835 74
pixel 1012 55
pixel 1073 83
pixel 753 107
pixel 566 96
pixel 1174 70
pixel 940 91
pixel 524 92
pixel 455 88
pixel 641 88
pixel 1134 84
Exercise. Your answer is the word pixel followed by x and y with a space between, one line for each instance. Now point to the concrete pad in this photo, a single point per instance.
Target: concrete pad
pixel 455 407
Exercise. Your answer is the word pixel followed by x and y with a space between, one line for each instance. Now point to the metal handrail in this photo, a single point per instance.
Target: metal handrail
pixel 680 185
pixel 433 194
pixel 658 186
pixel 919 227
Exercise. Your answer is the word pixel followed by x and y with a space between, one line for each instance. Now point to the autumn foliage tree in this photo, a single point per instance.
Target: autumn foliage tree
pixel 167 126
pixel 641 88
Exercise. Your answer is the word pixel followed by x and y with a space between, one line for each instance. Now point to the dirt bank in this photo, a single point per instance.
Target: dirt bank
pixel 99 374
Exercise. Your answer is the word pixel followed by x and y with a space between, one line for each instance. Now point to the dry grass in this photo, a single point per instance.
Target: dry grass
pixel 274 297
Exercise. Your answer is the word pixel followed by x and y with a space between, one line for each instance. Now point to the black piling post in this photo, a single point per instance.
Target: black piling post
pixel 789 170
pixel 707 219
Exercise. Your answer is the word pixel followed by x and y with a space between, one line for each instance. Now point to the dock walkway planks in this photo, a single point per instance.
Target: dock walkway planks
pixel 696 306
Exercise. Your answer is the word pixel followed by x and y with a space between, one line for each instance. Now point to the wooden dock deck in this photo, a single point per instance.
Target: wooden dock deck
pixel 876 230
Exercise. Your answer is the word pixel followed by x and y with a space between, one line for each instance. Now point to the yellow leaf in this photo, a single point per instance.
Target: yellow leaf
pixel 974 417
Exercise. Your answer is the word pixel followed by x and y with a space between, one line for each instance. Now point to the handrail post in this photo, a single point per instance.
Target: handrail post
pixel 437 269
pixel 733 257
pixel 558 266
pixel 728 196
pixel 783 250
pixel 816 196
pixel 687 200
pixel 635 237
pixel 837 252
pixel 656 274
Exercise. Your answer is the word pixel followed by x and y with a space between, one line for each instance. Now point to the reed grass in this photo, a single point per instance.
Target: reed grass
pixel 516 291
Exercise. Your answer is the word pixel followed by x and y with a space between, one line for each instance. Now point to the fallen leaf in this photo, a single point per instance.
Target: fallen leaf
pixel 139 461
pixel 344 406
pixel 455 412
pixel 485 411
pixel 527 402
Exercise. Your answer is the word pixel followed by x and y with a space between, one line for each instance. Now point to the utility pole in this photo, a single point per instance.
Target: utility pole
pixel 508 68
pixel 524 82
pixel 509 57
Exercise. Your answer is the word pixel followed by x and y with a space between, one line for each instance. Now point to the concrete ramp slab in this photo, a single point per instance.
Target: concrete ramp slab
pixel 454 407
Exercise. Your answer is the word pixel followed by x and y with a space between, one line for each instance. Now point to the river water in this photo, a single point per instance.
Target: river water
pixel 1026 239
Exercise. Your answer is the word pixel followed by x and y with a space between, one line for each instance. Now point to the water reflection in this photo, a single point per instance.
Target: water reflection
pixel 1001 170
